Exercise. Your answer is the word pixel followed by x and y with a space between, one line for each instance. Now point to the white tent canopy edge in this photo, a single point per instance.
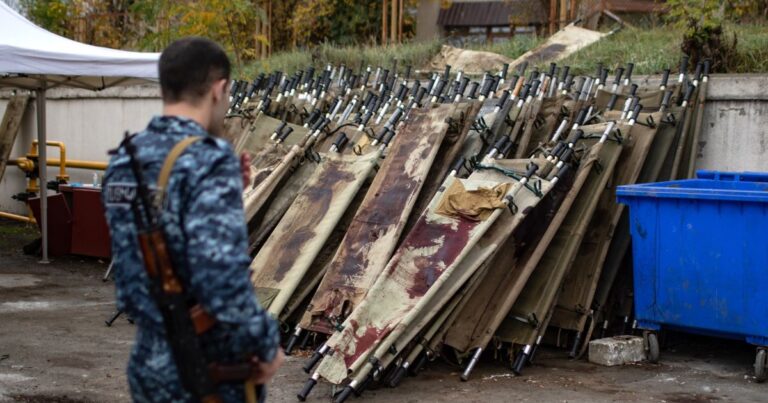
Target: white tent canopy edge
pixel 35 59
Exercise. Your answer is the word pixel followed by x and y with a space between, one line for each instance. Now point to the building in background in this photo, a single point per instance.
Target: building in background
pixel 479 21
pixel 462 21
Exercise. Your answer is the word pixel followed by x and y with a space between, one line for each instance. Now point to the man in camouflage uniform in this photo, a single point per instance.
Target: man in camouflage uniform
pixel 204 228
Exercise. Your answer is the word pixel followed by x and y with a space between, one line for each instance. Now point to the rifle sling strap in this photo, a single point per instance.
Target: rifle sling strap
pixel 170 161
pixel 200 318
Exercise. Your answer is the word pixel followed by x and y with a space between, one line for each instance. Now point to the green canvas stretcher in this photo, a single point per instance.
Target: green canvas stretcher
pixel 262 225
pixel 572 309
pixel 660 151
pixel 273 163
pixel 478 321
pixel 308 284
pixel 552 112
pixel 526 318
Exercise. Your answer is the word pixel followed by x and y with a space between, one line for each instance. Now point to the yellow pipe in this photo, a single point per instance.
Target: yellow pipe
pixel 62 156
pixel 24 164
pixel 80 164
pixel 28 165
pixel 17 217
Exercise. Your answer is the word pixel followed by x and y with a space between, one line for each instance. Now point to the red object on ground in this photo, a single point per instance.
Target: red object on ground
pixel 76 222
pixel 59 223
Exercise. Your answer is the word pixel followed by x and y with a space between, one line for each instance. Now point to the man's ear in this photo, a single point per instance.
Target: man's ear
pixel 219 89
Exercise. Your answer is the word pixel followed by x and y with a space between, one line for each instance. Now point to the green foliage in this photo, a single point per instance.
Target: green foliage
pixel 702 22
pixel 696 16
pixel 710 14
pixel 652 50
pixel 152 24
pixel 228 22
pixel 50 14
pixel 342 22
pixel 100 22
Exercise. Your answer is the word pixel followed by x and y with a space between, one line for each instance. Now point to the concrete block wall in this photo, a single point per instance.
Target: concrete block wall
pixel 734 134
pixel 89 123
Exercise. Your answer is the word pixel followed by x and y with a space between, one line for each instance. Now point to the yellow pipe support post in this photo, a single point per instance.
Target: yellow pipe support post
pixel 62 157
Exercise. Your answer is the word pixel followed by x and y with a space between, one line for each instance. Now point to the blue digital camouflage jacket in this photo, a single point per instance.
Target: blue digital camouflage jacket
pixel 205 230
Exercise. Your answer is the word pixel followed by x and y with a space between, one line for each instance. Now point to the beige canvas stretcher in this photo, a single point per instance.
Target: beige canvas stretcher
pixel 294 244
pixel 372 235
pixel 9 128
pixel 428 257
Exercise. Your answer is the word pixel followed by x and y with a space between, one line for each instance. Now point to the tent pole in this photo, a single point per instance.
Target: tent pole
pixel 42 155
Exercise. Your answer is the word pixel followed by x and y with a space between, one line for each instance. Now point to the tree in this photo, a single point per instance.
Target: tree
pixel 231 23
pixel 153 24
pixel 342 22
pixel 703 21
pixel 238 25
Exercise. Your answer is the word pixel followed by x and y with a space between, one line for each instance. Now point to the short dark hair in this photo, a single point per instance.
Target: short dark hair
pixel 189 66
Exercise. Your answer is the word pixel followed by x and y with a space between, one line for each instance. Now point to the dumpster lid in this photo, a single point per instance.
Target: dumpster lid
pixel 733 176
pixel 697 189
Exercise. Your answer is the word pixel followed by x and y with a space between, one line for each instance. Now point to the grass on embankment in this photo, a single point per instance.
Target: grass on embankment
pixel 651 49
pixel 415 54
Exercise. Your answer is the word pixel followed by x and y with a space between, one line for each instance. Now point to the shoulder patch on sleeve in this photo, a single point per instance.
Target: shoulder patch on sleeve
pixel 123 194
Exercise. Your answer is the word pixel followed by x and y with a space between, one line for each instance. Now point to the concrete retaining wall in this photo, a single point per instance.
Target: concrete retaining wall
pixel 734 137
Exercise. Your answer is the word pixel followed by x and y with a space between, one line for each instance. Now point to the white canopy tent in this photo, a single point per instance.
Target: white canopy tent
pixel 34 59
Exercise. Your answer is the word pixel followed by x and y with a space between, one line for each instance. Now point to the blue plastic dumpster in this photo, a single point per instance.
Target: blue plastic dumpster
pixel 700 255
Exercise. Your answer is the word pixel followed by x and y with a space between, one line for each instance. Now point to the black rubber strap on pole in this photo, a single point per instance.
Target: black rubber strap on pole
pixel 666 98
pixel 630 67
pixel 552 67
pixel 503 99
pixel 633 90
pixel 532 168
pixel 581 116
pixel 534 87
pixel 619 73
pixel 665 78
pixel 684 64
pixel 472 92
pixel 504 70
pixel 521 68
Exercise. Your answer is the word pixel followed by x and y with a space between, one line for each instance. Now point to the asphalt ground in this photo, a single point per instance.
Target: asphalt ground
pixel 55 347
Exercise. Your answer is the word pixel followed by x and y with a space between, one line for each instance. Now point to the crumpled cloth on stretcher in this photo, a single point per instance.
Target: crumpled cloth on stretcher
pixel 475 205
